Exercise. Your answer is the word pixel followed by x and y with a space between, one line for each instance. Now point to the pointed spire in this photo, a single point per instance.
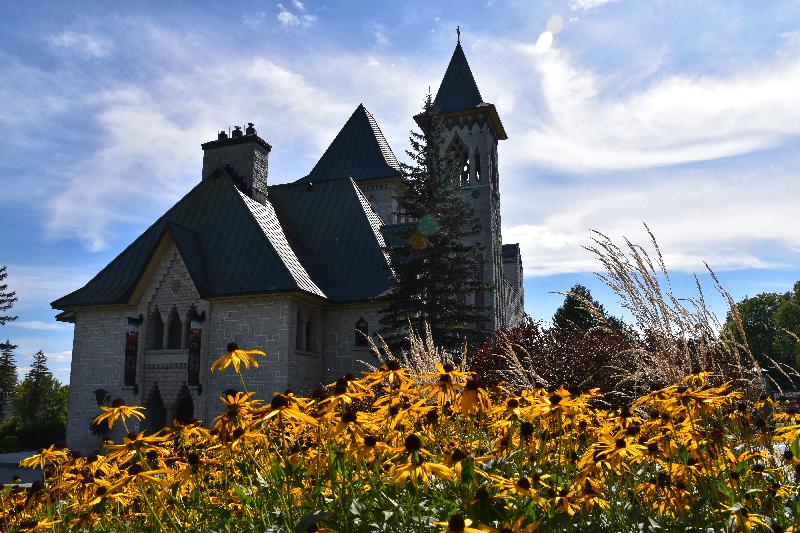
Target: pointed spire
pixel 359 151
pixel 458 91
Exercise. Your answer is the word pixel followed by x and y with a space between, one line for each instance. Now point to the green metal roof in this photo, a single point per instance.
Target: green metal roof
pixel 336 236
pixel 229 246
pixel 458 91
pixel 359 151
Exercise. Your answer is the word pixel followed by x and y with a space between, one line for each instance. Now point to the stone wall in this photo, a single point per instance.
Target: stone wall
pixel 381 195
pixel 482 192
pixel 98 353
pixel 255 323
pixel 341 353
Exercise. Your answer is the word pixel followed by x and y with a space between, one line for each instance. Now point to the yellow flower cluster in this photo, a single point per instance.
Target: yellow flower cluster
pixel 391 451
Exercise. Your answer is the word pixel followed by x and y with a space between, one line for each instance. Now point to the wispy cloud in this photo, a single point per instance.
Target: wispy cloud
pixel 584 125
pixel 299 17
pixel 583 5
pixel 38 325
pixel 255 20
pixel 85 44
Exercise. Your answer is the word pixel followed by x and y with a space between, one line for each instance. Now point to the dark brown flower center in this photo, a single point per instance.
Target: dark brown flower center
pixel 232 347
pixel 413 443
pixel 279 402
pixel 456 523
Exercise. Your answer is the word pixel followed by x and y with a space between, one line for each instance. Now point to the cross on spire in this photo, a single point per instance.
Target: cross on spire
pixel 458 34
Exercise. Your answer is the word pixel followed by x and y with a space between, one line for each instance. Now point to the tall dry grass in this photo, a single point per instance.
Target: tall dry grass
pixel 671 336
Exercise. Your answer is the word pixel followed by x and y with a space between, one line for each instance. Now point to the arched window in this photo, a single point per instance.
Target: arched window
pixel 175 330
pixel 460 155
pixel 184 410
pixel 156 413
pixel 155 331
pixel 362 332
pixel 477 165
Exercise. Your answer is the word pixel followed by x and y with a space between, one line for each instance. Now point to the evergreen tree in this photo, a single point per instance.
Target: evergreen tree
pixel 575 312
pixel 436 260
pixel 7 298
pixel 8 377
pixel 36 390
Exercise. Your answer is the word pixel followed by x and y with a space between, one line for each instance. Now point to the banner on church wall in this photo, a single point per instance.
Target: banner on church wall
pixel 131 350
pixel 195 334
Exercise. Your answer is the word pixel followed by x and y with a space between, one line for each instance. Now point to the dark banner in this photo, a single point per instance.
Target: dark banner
pixel 131 350
pixel 195 334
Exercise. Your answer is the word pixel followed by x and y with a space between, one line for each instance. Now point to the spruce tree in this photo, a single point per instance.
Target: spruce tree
pixel 8 377
pixel 435 258
pixel 7 298
pixel 36 390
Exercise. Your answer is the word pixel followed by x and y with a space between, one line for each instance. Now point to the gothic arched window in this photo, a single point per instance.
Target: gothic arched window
pixel 362 332
pixel 477 165
pixel 460 155
pixel 175 330
pixel 155 330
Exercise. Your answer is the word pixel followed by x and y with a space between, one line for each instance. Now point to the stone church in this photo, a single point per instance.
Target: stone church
pixel 297 270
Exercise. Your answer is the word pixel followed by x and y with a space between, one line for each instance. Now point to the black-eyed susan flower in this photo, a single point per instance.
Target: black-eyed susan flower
pixel 458 524
pixel 118 411
pixel 237 357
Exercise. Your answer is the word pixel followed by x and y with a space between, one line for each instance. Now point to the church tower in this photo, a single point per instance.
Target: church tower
pixel 473 131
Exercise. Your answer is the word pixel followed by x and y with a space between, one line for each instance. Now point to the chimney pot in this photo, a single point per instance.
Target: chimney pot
pixel 237 132
pixel 251 130
pixel 222 135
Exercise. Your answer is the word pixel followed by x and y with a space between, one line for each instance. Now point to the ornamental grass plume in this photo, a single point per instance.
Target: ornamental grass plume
pixel 670 337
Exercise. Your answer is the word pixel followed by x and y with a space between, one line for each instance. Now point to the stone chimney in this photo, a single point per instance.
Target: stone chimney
pixel 245 155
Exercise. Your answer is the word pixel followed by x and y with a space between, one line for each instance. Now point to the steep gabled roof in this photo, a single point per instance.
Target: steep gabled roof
pixel 458 91
pixel 336 235
pixel 359 151
pixel 230 246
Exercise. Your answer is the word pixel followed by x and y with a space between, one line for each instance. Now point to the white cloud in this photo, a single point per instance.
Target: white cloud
pixel 584 5
pixel 379 32
pixel 287 18
pixel 254 21
pixel 149 159
pixel 61 357
pixel 37 286
pixel 85 44
pixel 39 325
pixel 584 124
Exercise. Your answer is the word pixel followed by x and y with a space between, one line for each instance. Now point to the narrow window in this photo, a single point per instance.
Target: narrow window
pixel 477 165
pixel 175 327
pixel 155 331
pixel 460 156
pixel 362 332
pixel 131 350
pixel 193 343
pixel 310 345
pixel 299 333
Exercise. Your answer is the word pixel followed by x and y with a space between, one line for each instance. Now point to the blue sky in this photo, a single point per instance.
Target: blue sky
pixel 681 114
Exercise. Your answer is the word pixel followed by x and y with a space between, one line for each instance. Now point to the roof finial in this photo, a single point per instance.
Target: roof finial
pixel 458 34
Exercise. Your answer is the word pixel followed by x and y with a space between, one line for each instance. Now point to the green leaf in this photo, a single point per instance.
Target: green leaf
pixel 795 448
pixel 683 454
pixel 307 520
